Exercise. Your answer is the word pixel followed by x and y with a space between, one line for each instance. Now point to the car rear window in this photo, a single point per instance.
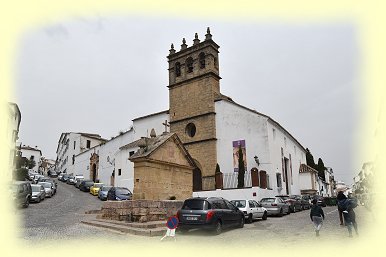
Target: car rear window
pixel 195 204
pixel 239 203
pixel 89 183
pixel 269 200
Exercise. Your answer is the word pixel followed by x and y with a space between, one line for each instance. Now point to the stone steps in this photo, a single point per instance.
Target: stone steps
pixel 145 225
pixel 142 229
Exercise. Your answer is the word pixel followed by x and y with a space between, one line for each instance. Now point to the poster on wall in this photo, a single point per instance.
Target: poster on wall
pixel 236 147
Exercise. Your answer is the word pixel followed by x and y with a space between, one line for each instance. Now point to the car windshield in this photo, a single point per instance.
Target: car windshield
pixel 284 197
pixel 89 183
pixel 105 188
pixel 45 184
pixel 195 204
pixel 98 185
pixel 239 203
pixel 35 188
pixel 269 200
pixel 123 191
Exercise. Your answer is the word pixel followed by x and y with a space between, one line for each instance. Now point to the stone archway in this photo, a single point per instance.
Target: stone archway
pixel 94 164
pixel 197 177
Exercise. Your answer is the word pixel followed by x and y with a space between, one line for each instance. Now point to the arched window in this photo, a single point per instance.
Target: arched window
pixel 178 69
pixel 189 64
pixel 202 60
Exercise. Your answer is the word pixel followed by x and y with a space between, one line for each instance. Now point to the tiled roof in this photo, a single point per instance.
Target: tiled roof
pixel 306 169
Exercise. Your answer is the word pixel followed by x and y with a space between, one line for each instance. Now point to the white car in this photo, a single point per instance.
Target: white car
pixel 252 209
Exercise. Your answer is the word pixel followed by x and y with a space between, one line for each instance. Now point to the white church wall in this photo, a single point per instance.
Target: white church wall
pixel 82 162
pixel 305 181
pixel 142 126
pixel 252 193
pixel 109 155
pixel 236 123
pixel 126 179
pixel 295 154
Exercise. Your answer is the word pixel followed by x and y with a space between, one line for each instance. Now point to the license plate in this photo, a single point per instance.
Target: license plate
pixel 191 218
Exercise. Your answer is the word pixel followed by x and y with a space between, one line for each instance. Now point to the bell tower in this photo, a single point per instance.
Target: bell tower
pixel 194 83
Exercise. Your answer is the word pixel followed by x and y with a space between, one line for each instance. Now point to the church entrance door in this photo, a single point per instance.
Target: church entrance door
pixel 286 176
pixel 93 172
pixel 197 180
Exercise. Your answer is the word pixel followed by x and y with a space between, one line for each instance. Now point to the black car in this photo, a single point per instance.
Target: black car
pixel 321 200
pixel 85 185
pixel 119 194
pixel 209 213
pixel 22 193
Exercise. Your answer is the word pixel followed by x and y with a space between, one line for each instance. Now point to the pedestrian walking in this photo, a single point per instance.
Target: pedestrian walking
pixel 347 206
pixel 339 197
pixel 317 216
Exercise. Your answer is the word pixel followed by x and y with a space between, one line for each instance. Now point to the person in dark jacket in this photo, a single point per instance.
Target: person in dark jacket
pixel 317 216
pixel 347 206
pixel 339 197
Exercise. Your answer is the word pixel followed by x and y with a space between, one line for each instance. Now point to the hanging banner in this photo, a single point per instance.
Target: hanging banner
pixel 236 147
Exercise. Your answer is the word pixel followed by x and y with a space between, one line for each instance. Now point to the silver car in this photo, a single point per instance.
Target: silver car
pixel 48 188
pixel 275 206
pixel 251 209
pixel 38 193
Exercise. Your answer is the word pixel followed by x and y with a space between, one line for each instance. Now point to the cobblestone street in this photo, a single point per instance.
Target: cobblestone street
pixel 60 218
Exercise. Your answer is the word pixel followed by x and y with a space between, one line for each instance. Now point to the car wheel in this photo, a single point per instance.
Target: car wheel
pixel 265 215
pixel 242 221
pixel 250 219
pixel 281 212
pixel 289 210
pixel 39 200
pixel 218 228
pixel 26 203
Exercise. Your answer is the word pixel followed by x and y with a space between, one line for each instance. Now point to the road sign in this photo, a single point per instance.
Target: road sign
pixel 172 222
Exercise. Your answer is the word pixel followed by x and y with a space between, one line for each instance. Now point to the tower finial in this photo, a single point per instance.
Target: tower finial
pixel 172 51
pixel 184 45
pixel 208 36
pixel 196 40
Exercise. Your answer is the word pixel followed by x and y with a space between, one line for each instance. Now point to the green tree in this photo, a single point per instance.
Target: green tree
pixel 310 159
pixel 217 168
pixel 321 169
pixel 31 163
pixel 20 174
pixel 241 173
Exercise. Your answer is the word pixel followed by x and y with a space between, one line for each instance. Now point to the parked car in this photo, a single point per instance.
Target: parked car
pixel 31 175
pixel 102 194
pixel 251 209
pixel 22 193
pixel 321 200
pixel 65 178
pixel 78 181
pixel 36 178
pixel 60 176
pixel 52 174
pixel 306 201
pixel 119 194
pixel 85 185
pixel 295 205
pixel 53 185
pixel 38 193
pixel 95 188
pixel 275 206
pixel 71 180
pixel 48 188
pixel 209 213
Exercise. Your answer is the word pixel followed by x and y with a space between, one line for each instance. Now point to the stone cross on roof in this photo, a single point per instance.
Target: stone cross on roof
pixel 166 126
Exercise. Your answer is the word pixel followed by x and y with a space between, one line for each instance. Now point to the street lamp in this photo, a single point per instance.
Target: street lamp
pixel 257 160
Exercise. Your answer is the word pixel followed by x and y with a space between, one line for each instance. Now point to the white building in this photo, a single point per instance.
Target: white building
pixel 71 144
pixel 12 124
pixel 111 164
pixel 32 153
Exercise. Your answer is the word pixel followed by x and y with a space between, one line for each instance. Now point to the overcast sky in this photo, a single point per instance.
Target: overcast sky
pixel 96 74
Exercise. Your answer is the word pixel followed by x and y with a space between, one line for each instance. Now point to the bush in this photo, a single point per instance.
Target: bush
pixel 20 174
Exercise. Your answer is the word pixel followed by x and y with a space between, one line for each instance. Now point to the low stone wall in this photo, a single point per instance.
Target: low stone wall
pixel 140 210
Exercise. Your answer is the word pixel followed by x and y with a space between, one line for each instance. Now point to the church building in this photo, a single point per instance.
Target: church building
pixel 211 127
